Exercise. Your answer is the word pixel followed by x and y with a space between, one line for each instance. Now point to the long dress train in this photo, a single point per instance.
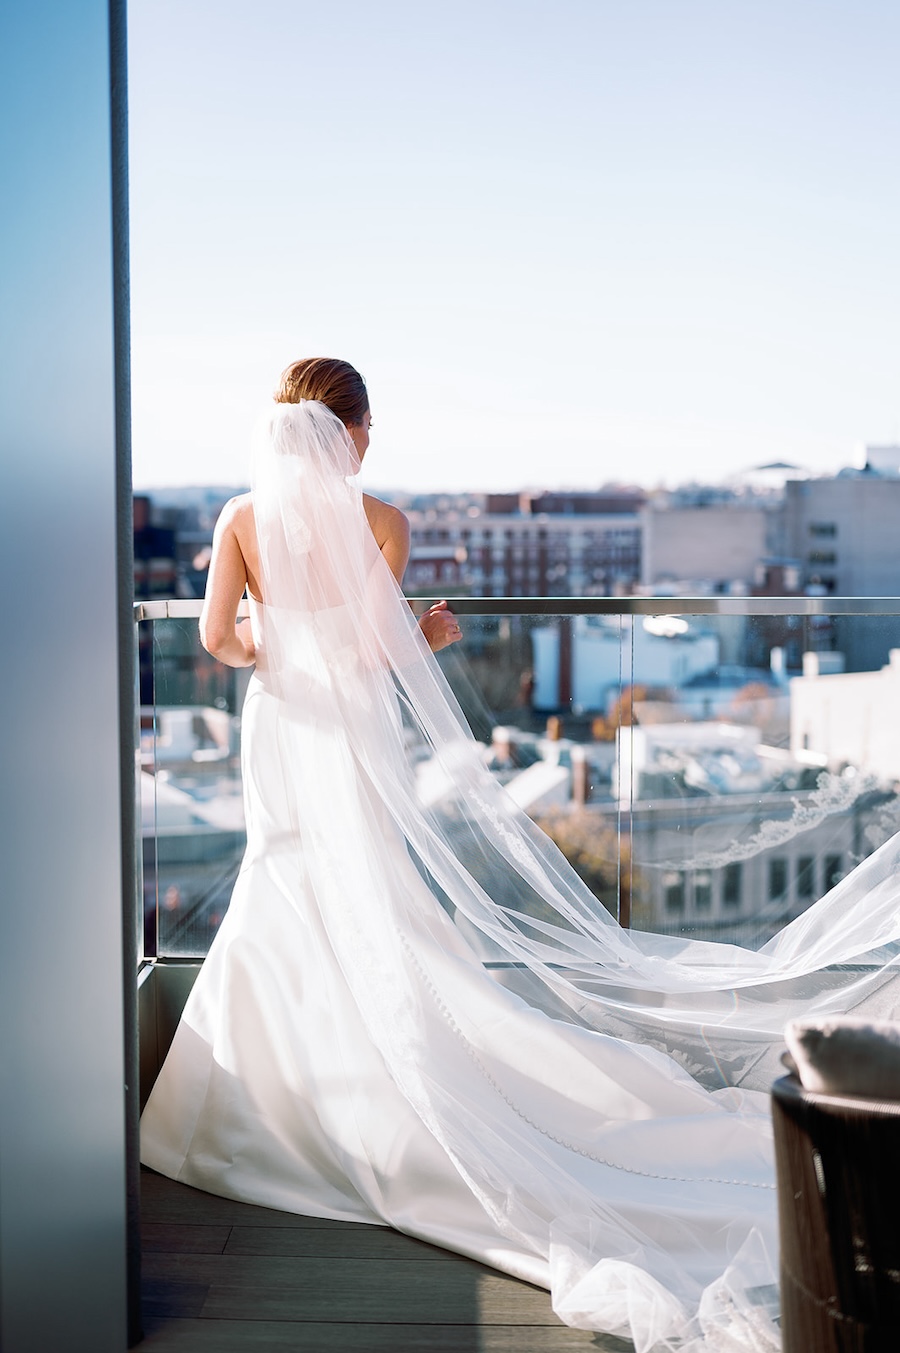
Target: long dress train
pixel 589 1112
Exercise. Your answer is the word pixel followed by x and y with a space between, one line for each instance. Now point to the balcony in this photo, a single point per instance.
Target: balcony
pixel 709 766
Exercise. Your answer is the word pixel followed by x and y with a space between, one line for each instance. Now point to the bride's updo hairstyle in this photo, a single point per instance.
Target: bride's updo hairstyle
pixel 334 383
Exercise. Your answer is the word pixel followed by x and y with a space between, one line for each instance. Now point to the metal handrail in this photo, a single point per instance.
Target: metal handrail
pixel 177 608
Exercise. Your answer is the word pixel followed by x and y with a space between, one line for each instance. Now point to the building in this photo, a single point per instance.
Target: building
pixel 735 867
pixel 173 531
pixel 533 545
pixel 843 533
pixel 703 827
pixel 578 661
pixel 731 836
pixel 849 718
pixel 435 569
pixel 717 545
pixel 155 554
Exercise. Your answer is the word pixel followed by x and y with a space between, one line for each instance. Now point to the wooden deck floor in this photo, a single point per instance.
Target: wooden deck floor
pixel 224 1277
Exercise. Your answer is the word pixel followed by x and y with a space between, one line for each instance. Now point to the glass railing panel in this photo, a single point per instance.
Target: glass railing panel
pixel 742 805
pixel 707 773
pixel 549 738
pixel 696 779
pixel 190 787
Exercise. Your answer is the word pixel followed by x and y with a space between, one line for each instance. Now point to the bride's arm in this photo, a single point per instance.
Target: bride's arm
pixel 391 530
pixel 220 633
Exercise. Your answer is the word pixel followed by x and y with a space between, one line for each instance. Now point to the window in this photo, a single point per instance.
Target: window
pixel 806 878
pixel 823 529
pixel 731 885
pixel 834 870
pixel 778 877
pixel 673 891
pixel 703 890
pixel 822 557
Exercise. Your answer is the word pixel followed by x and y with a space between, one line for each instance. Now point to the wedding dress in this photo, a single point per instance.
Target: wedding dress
pixel 415 1013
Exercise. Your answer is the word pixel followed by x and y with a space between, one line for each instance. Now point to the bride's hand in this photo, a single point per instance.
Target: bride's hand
pixel 440 627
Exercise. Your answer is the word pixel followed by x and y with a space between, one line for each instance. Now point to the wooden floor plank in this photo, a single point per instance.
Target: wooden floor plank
pixel 444 1290
pixel 167 1201
pixel 228 1277
pixel 268 1336
pixel 171 1297
pixel 184 1238
pixel 359 1242
pixel 246 1336
pixel 416 1301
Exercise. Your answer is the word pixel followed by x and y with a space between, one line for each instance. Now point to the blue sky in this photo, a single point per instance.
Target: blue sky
pixel 565 244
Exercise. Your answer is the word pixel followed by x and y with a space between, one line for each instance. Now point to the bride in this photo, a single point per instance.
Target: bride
pixel 414 1012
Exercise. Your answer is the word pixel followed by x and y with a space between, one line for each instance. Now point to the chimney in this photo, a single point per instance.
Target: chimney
pixel 581 785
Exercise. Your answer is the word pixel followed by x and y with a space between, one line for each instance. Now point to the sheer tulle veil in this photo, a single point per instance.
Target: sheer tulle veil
pixel 565 1080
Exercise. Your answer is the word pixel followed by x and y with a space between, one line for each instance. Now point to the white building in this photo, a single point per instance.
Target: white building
pixel 584 661
pixel 849 718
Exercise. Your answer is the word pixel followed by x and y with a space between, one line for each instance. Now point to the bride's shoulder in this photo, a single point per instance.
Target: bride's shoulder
pixel 391 531
pixel 237 512
pixel 384 519
pixel 241 504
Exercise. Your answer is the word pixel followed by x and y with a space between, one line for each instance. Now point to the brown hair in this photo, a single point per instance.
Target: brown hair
pixel 332 382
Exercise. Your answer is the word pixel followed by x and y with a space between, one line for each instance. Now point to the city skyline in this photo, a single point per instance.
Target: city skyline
pixel 641 245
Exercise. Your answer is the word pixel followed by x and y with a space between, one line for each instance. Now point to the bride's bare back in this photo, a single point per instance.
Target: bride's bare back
pixel 387 524
pixel 234 568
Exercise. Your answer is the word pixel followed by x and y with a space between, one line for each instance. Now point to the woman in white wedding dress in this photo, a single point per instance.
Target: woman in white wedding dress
pixel 590 1111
